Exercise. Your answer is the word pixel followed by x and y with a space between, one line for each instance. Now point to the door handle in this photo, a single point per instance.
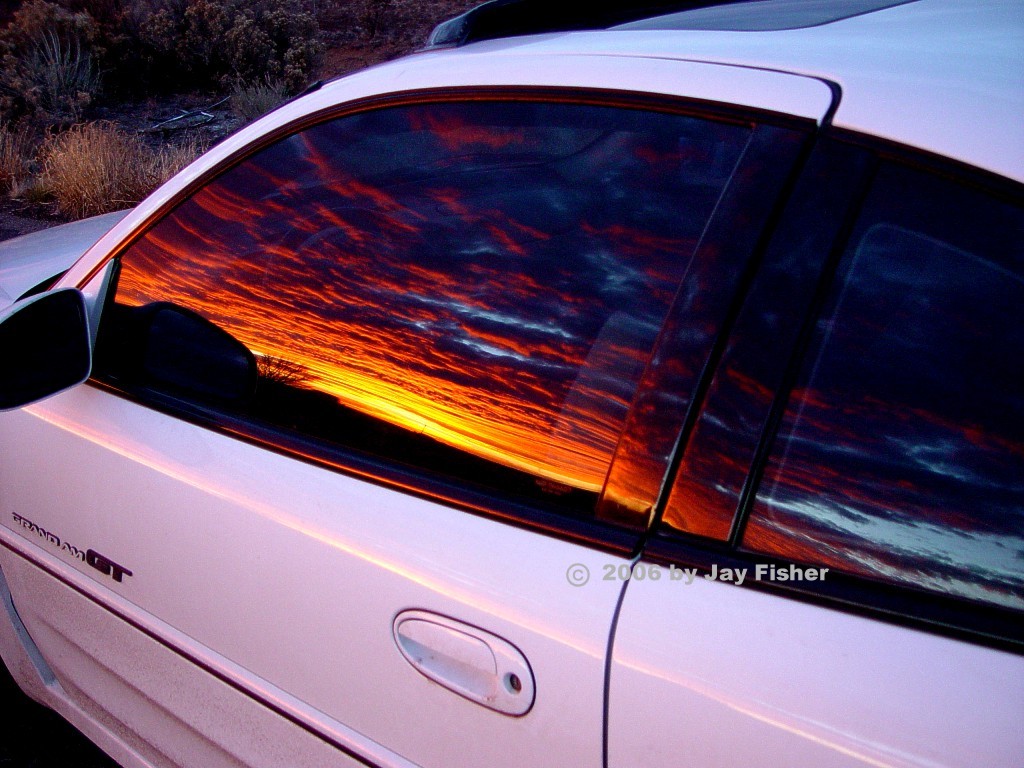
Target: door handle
pixel 467 660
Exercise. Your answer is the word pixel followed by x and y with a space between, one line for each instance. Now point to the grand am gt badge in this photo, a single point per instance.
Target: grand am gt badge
pixel 104 565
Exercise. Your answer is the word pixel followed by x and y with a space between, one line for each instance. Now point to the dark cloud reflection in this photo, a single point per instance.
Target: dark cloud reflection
pixel 490 275
pixel 902 454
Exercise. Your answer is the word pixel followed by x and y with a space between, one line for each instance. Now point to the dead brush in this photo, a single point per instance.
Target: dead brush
pixel 16 154
pixel 252 100
pixel 96 168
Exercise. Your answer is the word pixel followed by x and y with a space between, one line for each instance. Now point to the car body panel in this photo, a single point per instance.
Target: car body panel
pixel 227 539
pixel 34 676
pixel 112 674
pixel 27 261
pixel 794 684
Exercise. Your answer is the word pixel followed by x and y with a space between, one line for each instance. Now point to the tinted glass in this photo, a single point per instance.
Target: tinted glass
pixel 471 288
pixel 721 449
pixel 901 454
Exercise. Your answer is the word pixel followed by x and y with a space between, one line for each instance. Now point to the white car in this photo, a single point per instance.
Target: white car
pixel 645 394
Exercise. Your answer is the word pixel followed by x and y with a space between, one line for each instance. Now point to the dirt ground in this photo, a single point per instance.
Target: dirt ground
pixel 14 223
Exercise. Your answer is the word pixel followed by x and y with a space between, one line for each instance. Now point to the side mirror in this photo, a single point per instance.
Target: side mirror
pixel 176 350
pixel 44 346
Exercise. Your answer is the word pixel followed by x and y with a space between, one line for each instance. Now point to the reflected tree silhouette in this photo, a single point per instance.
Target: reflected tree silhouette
pixel 278 370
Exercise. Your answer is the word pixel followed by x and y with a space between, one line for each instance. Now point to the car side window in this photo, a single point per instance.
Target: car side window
pixel 467 288
pixel 900 456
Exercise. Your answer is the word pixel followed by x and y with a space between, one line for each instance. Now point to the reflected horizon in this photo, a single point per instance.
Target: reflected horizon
pixel 493 284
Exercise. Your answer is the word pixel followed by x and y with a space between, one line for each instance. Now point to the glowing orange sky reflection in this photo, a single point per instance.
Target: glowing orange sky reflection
pixel 505 311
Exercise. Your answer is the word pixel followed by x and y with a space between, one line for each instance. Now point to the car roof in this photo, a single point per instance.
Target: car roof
pixel 946 76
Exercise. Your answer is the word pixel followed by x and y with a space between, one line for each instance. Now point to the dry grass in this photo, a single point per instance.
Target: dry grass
pixel 16 155
pixel 256 99
pixel 95 168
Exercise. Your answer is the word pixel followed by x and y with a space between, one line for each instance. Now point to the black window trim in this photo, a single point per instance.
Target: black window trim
pixel 588 532
pixel 901 605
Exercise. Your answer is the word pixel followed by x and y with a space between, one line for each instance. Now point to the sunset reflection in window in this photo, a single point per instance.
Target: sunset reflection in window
pixel 484 278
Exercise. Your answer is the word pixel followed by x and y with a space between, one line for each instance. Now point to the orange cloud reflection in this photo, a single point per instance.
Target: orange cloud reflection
pixel 504 311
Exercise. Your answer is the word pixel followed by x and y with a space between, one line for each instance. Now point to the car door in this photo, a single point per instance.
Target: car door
pixel 839 556
pixel 371 405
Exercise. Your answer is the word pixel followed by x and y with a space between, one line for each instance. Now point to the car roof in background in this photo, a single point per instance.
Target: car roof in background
pixel 946 76
pixel 511 18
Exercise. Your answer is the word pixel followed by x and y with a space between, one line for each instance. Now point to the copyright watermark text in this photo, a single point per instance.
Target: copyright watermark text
pixel 578 574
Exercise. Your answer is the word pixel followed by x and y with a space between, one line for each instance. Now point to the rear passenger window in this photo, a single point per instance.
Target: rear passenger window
pixel 472 288
pixel 900 456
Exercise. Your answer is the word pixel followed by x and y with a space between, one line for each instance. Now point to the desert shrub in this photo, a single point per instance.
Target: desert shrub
pixel 119 47
pixel 36 17
pixel 16 153
pixel 63 77
pixel 95 168
pixel 143 46
pixel 253 100
pixel 47 64
pixel 167 160
pixel 374 15
pixel 349 21
pixel 215 43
